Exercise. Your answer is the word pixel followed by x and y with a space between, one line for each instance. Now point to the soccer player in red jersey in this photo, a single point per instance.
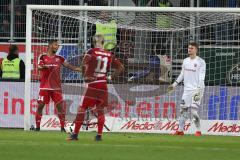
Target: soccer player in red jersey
pixel 96 63
pixel 49 65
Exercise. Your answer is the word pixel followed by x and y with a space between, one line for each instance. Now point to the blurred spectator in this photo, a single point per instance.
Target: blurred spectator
pixel 5 28
pixel 125 49
pixel 163 23
pixel 160 64
pixel 163 20
pixel 159 68
pixel 12 67
pixel 19 23
pixel 108 30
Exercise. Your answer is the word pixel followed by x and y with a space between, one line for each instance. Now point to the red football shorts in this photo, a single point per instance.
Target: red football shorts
pixel 45 95
pixel 95 93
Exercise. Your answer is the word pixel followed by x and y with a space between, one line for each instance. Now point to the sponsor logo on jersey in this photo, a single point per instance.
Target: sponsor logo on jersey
pixel 233 75
pixel 103 53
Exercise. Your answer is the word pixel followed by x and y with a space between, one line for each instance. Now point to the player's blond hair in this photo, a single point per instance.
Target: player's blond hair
pixel 98 38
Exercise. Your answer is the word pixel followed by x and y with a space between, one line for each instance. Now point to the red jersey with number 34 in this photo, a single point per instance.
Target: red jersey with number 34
pixel 50 77
pixel 97 62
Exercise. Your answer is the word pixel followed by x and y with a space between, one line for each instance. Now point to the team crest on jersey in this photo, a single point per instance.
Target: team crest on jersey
pixel 57 59
pixel 195 65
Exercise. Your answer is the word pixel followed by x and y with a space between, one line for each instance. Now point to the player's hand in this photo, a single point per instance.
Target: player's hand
pixel 197 95
pixel 170 89
pixel 78 69
pixel 89 79
pixel 109 78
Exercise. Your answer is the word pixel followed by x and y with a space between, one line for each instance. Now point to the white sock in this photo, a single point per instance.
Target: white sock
pixel 196 119
pixel 182 119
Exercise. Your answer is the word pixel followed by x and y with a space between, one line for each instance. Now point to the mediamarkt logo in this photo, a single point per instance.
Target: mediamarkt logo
pixel 159 125
pixel 220 127
pixel 53 122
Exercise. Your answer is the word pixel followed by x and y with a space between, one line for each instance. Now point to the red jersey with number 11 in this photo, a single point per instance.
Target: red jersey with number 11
pixel 97 62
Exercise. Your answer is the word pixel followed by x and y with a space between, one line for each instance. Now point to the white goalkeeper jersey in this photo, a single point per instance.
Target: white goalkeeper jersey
pixel 193 73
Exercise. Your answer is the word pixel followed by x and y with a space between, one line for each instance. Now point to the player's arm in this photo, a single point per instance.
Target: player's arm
pixel 202 73
pixel 119 68
pixel 85 63
pixel 199 91
pixel 177 81
pixel 72 67
pixel 41 65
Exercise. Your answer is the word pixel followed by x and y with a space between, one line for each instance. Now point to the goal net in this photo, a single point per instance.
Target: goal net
pixel 151 43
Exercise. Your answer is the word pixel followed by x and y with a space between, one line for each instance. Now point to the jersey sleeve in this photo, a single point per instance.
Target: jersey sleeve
pixel 202 73
pixel 180 77
pixel 62 59
pixel 87 57
pixel 40 60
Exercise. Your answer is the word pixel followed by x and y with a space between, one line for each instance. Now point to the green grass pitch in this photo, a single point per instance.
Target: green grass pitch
pixel 16 144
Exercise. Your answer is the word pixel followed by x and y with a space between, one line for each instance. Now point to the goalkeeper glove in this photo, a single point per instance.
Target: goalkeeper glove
pixel 197 95
pixel 171 88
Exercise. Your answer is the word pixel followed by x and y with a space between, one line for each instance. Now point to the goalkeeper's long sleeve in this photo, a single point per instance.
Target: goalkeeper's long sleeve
pixel 180 77
pixel 202 72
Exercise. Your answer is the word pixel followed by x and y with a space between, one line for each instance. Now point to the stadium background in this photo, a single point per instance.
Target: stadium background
pixel 12 30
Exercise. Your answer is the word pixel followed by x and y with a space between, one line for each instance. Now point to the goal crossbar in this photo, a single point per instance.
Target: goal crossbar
pixel 134 9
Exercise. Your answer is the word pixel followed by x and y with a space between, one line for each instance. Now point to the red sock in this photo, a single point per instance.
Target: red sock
pixel 38 118
pixel 78 122
pixel 101 121
pixel 61 117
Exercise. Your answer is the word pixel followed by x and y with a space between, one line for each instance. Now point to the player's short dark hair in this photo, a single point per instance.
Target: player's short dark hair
pixel 13 49
pixel 52 41
pixel 194 44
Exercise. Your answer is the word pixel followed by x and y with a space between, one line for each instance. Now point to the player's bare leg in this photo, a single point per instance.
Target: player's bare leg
pixel 78 123
pixel 61 115
pixel 101 121
pixel 38 116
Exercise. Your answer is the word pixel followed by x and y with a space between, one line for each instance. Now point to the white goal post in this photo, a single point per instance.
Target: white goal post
pixel 203 25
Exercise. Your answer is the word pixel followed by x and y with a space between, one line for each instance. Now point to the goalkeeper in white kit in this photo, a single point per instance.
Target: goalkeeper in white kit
pixel 193 75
